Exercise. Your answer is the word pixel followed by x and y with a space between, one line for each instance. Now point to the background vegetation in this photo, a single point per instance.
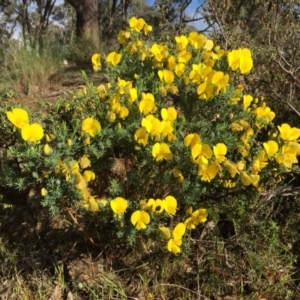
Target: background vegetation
pixel 249 246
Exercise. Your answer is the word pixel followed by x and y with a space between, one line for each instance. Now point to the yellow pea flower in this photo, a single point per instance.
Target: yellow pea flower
pixel 96 62
pixel 133 95
pixel 90 126
pixel 161 151
pixel 32 132
pixel 168 114
pixel 192 139
pixel 166 76
pixel 124 112
pixel 80 183
pixel 147 28
pixel 119 205
pixel 47 149
pixel 114 58
pixel 271 148
pixel 93 204
pixel 178 175
pixel 220 151
pixel 137 24
pixel 231 168
pixel 175 242
pixel 208 172
pixel 181 42
pixel 141 136
pixel 170 205
pixel 287 133
pixel 247 99
pixel 147 104
pixel 157 205
pixel 18 117
pixel 140 219
pixel 174 245
pixel 123 36
pixel 44 192
pixel 184 56
pixel 88 176
pixel 165 232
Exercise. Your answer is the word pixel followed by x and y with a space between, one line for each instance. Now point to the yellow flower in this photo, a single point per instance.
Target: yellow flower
pixel 93 204
pixel 123 36
pixel 156 205
pixel 271 147
pixel 264 112
pixel 32 133
pixel 113 58
pixel 119 205
pixel 231 168
pixel 47 149
pixel 209 44
pixel 18 117
pixel 192 139
pixel 141 136
pixel 249 179
pixel 136 24
pixel 88 176
pixel 247 99
pixel 170 205
pixel 147 28
pixel 69 142
pixel 147 104
pixel 175 243
pixel 165 232
pixel 124 112
pixel 161 151
pixel 179 69
pixel 220 151
pixel 44 192
pixel 96 62
pixel 196 40
pixel 208 172
pixel 133 95
pixel 166 76
pixel 169 114
pixel 84 162
pixel 197 217
pixel 241 59
pixel 90 126
pixel 178 175
pixel 87 141
pixel 287 133
pixel 181 42
pixel 80 183
pixel 140 219
pixel 184 56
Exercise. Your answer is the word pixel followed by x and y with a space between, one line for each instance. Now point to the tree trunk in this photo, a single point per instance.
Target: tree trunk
pixel 86 19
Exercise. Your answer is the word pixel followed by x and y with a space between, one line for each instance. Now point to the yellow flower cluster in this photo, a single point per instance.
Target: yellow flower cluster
pixel 30 132
pixel 174 237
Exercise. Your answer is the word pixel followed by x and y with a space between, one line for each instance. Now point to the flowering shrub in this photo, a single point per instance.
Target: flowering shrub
pixel 173 119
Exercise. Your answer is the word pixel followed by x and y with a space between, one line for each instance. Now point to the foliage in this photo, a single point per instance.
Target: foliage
pixel 80 51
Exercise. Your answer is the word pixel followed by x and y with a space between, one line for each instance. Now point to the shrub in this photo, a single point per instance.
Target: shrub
pixel 80 51
pixel 149 149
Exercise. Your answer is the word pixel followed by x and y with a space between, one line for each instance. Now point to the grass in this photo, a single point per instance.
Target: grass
pixel 28 71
